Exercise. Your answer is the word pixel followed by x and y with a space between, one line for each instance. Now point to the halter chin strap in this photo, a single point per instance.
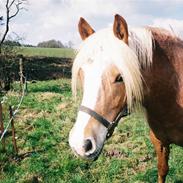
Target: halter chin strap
pixel 110 125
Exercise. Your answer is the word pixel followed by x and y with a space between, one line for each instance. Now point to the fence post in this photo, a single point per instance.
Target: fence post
pixel 2 126
pixel 26 85
pixel 13 131
pixel 21 72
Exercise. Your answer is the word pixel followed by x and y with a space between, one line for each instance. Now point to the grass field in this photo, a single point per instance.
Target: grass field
pixel 46 116
pixel 47 52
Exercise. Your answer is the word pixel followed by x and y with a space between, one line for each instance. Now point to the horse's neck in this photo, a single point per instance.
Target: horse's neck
pixel 165 77
pixel 163 89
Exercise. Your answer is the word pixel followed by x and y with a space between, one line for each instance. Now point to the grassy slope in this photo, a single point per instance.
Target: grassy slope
pixel 47 52
pixel 43 124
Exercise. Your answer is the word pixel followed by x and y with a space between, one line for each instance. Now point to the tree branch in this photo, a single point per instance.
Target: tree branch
pixel 7 23
pixel 17 10
pixel 9 6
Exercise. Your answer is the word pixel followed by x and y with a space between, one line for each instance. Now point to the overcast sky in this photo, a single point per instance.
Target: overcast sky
pixel 58 19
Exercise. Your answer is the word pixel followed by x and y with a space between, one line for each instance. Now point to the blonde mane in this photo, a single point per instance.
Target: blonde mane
pixel 104 47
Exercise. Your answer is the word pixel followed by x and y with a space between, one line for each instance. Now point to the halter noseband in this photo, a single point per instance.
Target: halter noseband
pixel 110 125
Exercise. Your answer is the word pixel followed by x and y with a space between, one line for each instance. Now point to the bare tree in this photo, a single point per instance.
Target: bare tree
pixel 13 7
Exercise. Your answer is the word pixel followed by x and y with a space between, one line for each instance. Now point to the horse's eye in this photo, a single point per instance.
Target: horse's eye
pixel 119 79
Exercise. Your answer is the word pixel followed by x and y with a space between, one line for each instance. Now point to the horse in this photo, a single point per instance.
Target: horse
pixel 120 68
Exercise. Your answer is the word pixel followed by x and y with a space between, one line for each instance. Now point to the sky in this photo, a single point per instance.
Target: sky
pixel 58 19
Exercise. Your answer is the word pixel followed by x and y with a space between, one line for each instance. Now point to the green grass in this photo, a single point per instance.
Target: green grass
pixel 42 127
pixel 47 52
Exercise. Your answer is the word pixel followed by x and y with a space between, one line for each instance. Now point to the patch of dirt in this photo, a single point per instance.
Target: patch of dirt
pixel 31 178
pixel 119 138
pixel 13 94
pixel 47 96
pixel 27 114
pixel 142 167
pixel 115 153
pixel 62 106
pixel 145 158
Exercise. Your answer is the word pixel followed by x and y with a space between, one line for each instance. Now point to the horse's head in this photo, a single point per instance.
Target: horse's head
pixel 105 65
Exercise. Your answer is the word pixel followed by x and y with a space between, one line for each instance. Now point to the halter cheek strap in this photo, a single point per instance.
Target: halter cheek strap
pixel 108 124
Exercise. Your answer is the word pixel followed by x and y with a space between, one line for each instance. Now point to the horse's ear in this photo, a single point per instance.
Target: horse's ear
pixel 120 28
pixel 85 29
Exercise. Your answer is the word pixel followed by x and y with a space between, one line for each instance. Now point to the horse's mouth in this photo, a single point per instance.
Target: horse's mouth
pixel 95 155
pixel 90 157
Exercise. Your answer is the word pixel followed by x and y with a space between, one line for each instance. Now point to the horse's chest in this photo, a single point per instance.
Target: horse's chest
pixel 167 127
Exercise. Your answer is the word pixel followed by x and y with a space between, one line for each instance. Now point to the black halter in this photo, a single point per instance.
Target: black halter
pixel 110 125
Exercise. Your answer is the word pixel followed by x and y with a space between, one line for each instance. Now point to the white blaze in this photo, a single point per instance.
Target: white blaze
pixel 92 82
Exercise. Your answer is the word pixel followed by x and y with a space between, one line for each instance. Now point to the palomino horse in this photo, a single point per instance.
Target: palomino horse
pixel 120 67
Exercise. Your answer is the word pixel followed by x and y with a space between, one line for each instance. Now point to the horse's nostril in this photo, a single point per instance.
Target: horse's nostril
pixel 87 145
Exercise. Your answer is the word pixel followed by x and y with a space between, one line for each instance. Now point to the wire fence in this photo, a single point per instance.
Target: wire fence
pixel 54 68
pixel 16 110
pixel 12 113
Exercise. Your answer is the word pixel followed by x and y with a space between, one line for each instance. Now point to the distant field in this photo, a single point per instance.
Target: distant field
pixel 47 52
